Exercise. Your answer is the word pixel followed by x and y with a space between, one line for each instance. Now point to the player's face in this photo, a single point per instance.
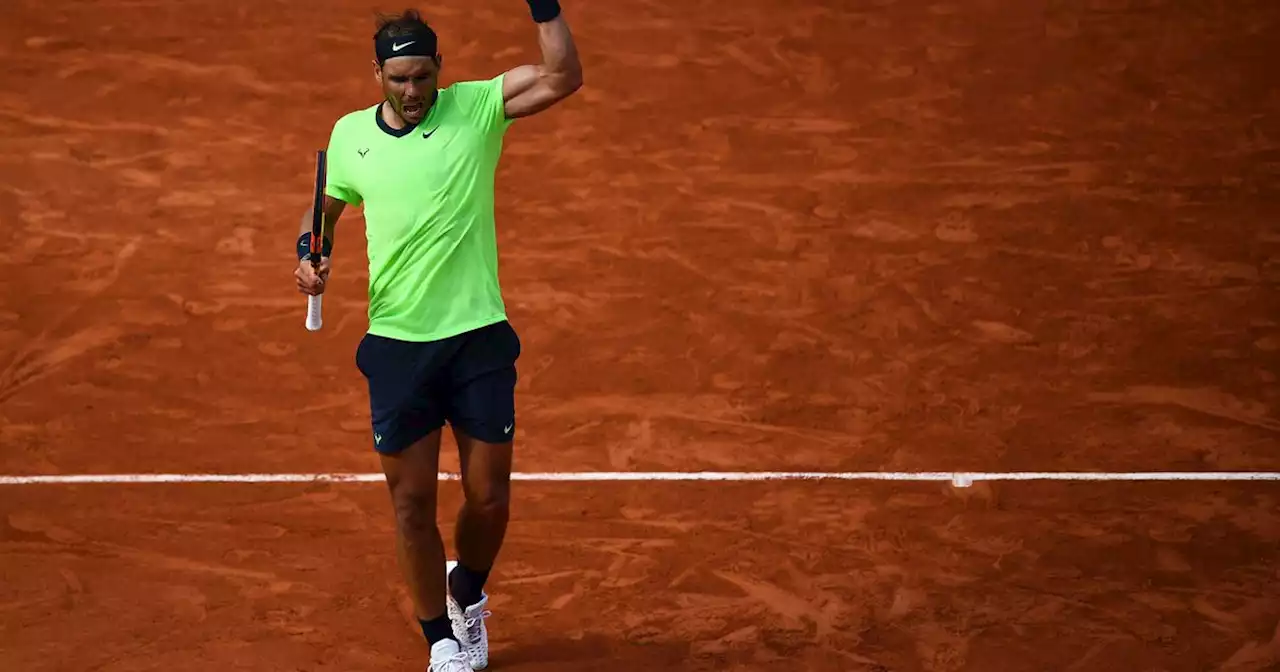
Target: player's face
pixel 409 83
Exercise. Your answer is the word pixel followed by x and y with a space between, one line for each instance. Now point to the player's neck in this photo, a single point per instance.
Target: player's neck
pixel 392 118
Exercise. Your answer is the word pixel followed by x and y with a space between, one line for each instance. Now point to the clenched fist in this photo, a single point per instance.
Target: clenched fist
pixel 311 280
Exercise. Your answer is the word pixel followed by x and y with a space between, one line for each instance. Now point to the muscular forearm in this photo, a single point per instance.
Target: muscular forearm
pixel 560 65
pixel 333 210
pixel 304 225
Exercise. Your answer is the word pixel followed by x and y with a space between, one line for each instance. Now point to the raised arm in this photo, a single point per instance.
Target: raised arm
pixel 530 89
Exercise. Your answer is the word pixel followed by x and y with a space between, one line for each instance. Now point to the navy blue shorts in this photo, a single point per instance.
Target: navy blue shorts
pixel 468 380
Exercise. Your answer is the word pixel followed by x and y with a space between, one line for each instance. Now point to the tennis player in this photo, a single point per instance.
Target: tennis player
pixel 439 348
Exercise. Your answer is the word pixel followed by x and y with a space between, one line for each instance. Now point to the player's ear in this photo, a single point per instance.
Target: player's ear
pixel 439 61
pixel 377 71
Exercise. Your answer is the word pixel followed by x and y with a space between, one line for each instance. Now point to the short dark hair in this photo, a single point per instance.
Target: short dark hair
pixel 398 25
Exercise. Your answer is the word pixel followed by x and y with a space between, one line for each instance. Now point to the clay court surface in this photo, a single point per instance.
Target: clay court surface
pixel 842 236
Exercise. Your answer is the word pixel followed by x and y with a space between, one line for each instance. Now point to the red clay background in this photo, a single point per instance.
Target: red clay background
pixel 890 235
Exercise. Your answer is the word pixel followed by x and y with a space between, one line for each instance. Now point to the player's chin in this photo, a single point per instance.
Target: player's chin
pixel 413 112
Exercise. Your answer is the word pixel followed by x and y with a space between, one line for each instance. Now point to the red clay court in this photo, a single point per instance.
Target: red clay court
pixel 880 236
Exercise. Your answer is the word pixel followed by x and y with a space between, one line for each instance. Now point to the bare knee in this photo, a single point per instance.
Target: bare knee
pixel 486 476
pixel 490 496
pixel 415 506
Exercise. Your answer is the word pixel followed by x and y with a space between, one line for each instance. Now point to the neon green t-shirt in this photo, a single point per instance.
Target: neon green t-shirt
pixel 428 196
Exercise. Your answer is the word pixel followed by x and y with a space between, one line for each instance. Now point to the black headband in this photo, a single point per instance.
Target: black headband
pixel 417 43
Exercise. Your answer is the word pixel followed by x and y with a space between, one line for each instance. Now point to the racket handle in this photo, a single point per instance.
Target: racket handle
pixel 313 312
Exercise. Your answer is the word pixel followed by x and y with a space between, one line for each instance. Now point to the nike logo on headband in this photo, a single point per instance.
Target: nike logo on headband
pixel 398 47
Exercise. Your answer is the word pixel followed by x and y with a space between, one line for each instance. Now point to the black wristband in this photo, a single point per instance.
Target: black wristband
pixel 544 10
pixel 304 246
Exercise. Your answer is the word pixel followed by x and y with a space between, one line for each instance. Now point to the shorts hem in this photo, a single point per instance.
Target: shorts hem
pixel 478 436
pixel 401 445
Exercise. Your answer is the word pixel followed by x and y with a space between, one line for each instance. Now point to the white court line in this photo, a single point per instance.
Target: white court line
pixel 959 479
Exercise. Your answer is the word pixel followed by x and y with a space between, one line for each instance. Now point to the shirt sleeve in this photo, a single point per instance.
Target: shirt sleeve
pixel 339 181
pixel 485 104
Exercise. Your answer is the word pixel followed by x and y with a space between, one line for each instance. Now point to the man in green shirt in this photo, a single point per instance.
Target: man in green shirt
pixel 439 348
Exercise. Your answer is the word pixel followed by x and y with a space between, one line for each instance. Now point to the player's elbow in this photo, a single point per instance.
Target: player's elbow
pixel 568 81
pixel 567 78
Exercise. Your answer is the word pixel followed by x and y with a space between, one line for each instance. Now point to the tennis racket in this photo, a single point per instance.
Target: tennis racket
pixel 314 303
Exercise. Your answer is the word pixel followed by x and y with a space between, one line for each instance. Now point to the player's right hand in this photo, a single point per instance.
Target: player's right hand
pixel 311 281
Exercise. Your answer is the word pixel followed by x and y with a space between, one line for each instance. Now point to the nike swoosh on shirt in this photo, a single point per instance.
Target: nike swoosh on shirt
pixel 427 134
pixel 398 47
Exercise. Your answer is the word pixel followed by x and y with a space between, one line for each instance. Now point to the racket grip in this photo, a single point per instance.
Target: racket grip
pixel 313 312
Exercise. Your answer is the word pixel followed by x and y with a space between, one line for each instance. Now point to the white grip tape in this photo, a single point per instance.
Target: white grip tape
pixel 313 312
